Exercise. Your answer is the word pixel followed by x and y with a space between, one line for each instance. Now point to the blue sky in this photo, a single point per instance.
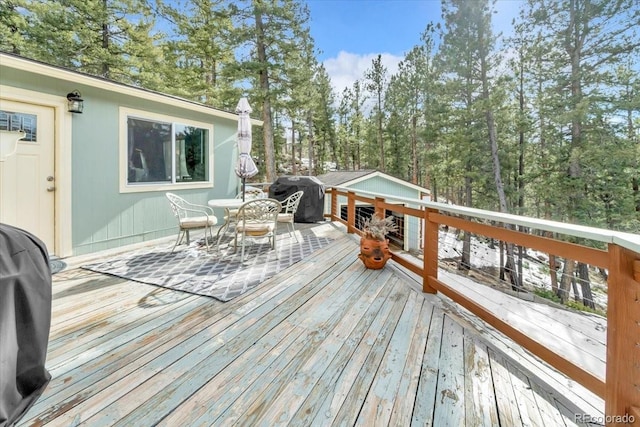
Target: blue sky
pixel 369 26
pixel 351 33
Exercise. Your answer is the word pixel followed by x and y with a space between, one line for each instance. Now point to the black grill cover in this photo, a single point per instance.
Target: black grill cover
pixel 25 319
pixel 311 208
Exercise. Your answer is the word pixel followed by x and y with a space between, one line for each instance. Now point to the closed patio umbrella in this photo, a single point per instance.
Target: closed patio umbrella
pixel 245 168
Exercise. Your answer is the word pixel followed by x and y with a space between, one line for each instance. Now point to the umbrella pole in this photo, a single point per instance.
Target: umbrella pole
pixel 243 185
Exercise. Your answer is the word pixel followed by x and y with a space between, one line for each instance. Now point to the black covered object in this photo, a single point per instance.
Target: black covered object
pixel 25 319
pixel 311 207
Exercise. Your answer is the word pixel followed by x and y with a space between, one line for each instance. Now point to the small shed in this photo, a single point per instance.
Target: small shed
pixel 410 230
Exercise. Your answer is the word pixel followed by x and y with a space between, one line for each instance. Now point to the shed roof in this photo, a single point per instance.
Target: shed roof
pixel 347 178
pixel 343 177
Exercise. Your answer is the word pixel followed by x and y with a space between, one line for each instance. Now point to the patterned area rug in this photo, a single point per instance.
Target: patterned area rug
pixel 217 274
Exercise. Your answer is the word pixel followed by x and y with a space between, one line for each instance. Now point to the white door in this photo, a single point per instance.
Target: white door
pixel 27 178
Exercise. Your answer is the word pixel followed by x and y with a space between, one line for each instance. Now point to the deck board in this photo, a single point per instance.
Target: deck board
pixel 326 397
pixel 334 345
pixel 404 405
pixel 449 408
pixel 479 390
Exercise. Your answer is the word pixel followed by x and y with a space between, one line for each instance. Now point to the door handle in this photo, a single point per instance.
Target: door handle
pixel 51 189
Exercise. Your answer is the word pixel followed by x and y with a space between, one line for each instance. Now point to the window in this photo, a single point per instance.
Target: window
pixel 162 153
pixel 13 121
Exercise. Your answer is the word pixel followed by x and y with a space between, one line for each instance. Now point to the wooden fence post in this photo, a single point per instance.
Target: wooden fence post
pixel 351 212
pixel 430 252
pixel 377 207
pixel 622 393
pixel 334 205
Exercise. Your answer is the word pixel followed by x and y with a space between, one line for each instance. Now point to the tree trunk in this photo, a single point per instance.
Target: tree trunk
pixel 414 150
pixel 565 281
pixel 294 164
pixel 106 40
pixel 313 167
pixel 497 174
pixel 267 126
pixel 553 273
pixel 511 263
pixel 520 258
pixel 585 284
pixel 502 275
pixel 465 259
pixel 574 285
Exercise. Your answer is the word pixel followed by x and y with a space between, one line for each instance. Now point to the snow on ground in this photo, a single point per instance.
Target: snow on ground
pixel 535 266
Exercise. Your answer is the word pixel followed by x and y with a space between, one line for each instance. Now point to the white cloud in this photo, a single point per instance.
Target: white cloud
pixel 347 67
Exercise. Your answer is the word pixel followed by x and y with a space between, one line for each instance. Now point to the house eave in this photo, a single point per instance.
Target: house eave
pixel 28 65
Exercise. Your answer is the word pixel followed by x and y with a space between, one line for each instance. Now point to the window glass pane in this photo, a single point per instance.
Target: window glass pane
pixel 149 151
pixel 12 121
pixel 191 153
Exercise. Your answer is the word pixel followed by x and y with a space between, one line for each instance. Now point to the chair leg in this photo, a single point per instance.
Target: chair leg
pixel 242 243
pixel 206 238
pixel 221 233
pixel 211 235
pixel 178 240
pixel 293 231
pixel 273 243
pixel 235 243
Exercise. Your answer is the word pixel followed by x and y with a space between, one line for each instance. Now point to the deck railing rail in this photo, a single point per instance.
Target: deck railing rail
pixel 621 259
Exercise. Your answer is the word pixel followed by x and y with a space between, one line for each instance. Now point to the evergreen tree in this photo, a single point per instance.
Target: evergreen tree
pixel 200 53
pixel 113 39
pixel 376 84
pixel 13 27
pixel 323 120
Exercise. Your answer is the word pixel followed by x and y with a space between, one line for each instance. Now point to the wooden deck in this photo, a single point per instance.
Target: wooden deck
pixel 325 342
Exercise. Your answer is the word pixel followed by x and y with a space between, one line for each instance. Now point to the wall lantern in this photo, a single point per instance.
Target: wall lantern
pixel 75 104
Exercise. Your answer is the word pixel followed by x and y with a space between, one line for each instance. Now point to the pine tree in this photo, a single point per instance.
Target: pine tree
pixel 268 32
pixel 376 83
pixel 113 39
pixel 200 53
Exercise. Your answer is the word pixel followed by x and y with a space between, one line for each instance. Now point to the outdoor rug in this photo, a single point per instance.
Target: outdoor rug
pixel 217 274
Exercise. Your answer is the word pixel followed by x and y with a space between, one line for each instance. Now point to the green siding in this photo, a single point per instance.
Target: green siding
pixel 102 217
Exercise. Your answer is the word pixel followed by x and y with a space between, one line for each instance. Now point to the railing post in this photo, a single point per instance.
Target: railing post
pixel 351 212
pixel 430 257
pixel 334 204
pixel 377 208
pixel 622 393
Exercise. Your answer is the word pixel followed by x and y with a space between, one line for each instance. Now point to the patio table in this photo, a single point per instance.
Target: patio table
pixel 227 205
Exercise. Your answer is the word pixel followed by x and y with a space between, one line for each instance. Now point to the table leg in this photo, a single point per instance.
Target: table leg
pixel 224 227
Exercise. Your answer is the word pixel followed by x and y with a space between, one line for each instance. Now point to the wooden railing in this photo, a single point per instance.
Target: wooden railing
pixel 621 259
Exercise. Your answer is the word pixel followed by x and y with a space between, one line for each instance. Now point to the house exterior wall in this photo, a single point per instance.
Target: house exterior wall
pixel 101 216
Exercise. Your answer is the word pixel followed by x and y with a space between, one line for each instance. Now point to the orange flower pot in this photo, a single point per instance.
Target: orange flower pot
pixel 374 253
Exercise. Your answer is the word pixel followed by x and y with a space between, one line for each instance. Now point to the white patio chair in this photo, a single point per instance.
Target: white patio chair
pixel 191 217
pixel 289 209
pixel 257 218
pixel 250 194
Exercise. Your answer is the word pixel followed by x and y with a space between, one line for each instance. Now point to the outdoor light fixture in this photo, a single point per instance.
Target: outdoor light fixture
pixel 75 103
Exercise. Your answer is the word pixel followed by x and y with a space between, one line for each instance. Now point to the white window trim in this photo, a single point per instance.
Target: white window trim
pixel 125 187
